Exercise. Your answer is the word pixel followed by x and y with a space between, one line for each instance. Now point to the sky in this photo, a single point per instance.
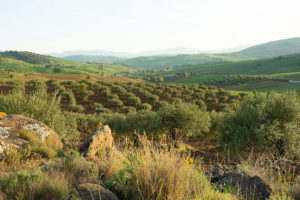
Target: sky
pixel 45 26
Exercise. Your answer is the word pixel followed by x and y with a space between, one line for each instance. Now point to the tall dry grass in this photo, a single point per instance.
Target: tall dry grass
pixel 150 172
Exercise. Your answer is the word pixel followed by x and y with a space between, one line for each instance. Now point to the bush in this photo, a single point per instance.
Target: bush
pixel 76 108
pixel 144 121
pixel 145 106
pixel 134 101
pixel 44 108
pixel 186 117
pixel 153 98
pixel 265 122
pixel 33 185
pixel 115 102
pixel 128 109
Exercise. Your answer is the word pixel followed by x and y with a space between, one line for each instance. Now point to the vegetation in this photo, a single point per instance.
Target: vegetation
pixel 169 166
pixel 20 61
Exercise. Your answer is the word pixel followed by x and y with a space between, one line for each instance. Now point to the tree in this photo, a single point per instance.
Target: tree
pixel 186 117
pixel 269 121
pixel 186 74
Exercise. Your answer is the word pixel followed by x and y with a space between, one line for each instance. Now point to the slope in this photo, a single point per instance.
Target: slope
pixel 30 62
pixel 274 48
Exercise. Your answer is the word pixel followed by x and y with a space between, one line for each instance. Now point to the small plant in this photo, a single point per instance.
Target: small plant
pixel 226 188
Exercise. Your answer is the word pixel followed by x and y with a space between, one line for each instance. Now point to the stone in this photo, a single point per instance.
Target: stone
pixel 90 191
pixel 99 140
pixel 11 127
pixel 250 187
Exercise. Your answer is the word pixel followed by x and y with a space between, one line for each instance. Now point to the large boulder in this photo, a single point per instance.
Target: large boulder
pixel 250 187
pixel 89 191
pixel 13 127
pixel 101 139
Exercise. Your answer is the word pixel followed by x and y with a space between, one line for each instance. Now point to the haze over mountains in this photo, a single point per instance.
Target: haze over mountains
pixel 186 56
pixel 170 51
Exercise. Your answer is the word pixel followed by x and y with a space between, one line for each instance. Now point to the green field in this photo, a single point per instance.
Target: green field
pixel 291 75
pixel 30 62
pixel 202 79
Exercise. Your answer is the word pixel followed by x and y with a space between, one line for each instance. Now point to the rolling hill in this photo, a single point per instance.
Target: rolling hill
pixel 266 50
pixel 158 62
pixel 274 48
pixel 22 61
pixel 86 58
pixel 281 64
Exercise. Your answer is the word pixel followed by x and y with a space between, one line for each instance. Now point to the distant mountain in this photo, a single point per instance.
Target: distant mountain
pixel 170 51
pixel 274 48
pixel 161 52
pixel 232 49
pixel 86 58
pixel 92 53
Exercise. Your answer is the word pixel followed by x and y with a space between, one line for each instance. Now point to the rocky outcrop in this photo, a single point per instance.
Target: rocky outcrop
pixel 99 140
pixel 13 127
pixel 250 187
pixel 89 191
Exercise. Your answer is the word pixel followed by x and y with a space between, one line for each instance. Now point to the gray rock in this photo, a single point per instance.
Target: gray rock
pixel 12 126
pixel 250 187
pixel 90 191
pixel 100 139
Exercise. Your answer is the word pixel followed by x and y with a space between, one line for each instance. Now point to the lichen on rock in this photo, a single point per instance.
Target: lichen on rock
pixel 4 132
pixel 43 133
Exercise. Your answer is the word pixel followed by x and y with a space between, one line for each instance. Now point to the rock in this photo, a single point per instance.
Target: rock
pixel 218 173
pixel 247 186
pixel 89 191
pixel 12 127
pixel 99 140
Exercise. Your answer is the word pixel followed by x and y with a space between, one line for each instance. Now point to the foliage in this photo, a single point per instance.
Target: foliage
pixel 265 121
pixel 33 185
pixel 44 108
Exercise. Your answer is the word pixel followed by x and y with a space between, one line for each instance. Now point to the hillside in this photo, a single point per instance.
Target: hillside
pixel 21 61
pixel 159 62
pixel 86 58
pixel 281 64
pixel 274 48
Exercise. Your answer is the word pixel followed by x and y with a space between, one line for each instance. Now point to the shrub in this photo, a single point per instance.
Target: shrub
pixel 153 173
pixel 265 122
pixel 42 107
pixel 74 168
pixel 175 100
pixel 134 101
pixel 186 117
pixel 76 108
pixel 200 103
pixel 144 121
pixel 166 96
pixel 153 98
pixel 127 109
pixel 115 102
pixel 33 185
pixel 145 106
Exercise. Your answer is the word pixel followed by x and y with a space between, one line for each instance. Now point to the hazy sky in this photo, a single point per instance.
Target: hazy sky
pixel 137 25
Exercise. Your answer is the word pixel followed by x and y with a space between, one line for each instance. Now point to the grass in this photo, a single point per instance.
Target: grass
pixel 283 64
pixel 51 65
pixel 179 60
pixel 291 75
pixel 202 79
pixel 265 86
